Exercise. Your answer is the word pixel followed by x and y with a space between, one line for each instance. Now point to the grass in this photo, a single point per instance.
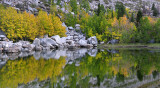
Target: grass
pixel 133 46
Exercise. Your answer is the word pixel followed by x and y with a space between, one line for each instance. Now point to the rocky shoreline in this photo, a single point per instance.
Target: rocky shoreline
pixel 73 40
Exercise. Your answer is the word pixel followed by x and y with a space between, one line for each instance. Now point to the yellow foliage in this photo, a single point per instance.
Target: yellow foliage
pixel 151 20
pixel 90 32
pixel 99 37
pixel 115 22
pixel 27 26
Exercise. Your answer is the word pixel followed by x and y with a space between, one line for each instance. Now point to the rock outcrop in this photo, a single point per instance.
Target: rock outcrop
pixel 72 40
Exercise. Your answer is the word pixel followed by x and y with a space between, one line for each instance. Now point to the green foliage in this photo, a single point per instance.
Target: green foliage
pixel 96 24
pixel 157 31
pixel 120 8
pixel 73 4
pixel 145 32
pixel 85 4
pixel 53 9
pixel 153 6
pixel 70 20
pixel 139 16
pixel 58 2
pixel 110 14
pixel 155 12
pixel 101 9
pixel 132 17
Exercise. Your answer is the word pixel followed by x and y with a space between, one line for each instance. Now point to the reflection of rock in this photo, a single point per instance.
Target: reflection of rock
pixel 113 51
pixel 70 55
pixel 37 55
pixel 93 80
pixel 114 41
pixel 55 54
pixel 93 52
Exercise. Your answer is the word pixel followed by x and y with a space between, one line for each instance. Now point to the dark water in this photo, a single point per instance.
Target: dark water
pixel 81 68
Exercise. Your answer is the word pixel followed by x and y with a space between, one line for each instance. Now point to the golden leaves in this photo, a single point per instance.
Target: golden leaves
pixel 25 25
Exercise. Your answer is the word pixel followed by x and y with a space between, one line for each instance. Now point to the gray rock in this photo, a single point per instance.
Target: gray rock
pixel 48 42
pixel 70 42
pixel 57 39
pixel 1 48
pixel 113 41
pixel 12 49
pixel 69 38
pixel 36 42
pixel 70 28
pixel 63 24
pixel 151 41
pixel 101 42
pixel 77 26
pixel 93 41
pixel 63 40
pixel 82 42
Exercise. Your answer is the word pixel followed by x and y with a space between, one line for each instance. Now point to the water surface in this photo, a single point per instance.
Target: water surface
pixel 81 68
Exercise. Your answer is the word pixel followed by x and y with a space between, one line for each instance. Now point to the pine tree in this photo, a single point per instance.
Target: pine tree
pixel 112 14
pixel 120 8
pixel 153 6
pixel 132 18
pixel 73 4
pixel 58 2
pixel 101 9
pixel 85 5
pixel 139 16
pixel 155 12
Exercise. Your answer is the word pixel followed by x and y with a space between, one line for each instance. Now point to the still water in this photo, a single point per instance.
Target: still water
pixel 81 68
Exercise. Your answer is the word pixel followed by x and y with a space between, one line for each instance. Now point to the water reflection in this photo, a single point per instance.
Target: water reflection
pixel 81 68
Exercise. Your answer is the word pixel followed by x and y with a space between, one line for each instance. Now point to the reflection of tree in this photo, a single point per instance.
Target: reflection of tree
pixel 120 65
pixel 139 75
pixel 155 73
pixel 120 77
pixel 25 70
pixel 124 64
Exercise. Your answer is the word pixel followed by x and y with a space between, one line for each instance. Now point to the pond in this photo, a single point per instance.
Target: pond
pixel 81 68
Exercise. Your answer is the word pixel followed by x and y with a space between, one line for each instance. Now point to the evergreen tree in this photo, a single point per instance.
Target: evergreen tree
pixel 153 6
pixel 120 8
pixel 139 16
pixel 132 18
pixel 155 12
pixel 73 4
pixel 101 9
pixel 112 14
pixel 85 5
pixel 51 2
pixel 58 2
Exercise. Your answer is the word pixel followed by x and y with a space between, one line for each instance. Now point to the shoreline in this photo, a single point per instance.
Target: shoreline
pixel 130 46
